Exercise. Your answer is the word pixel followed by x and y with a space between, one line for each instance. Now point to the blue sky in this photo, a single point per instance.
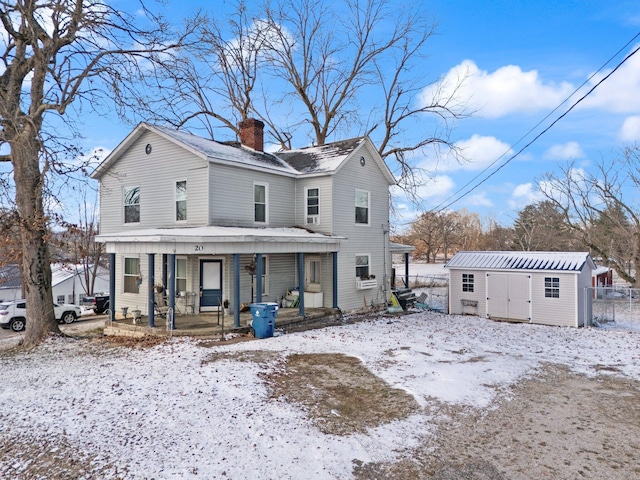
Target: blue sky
pixel 521 59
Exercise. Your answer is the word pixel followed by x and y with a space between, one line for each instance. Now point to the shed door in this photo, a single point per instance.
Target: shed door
pixel 509 296
pixel 519 297
pixel 497 297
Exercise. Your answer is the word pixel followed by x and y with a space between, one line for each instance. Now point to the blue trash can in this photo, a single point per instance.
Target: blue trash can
pixel 264 318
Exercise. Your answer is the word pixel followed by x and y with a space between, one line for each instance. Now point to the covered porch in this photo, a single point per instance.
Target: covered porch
pixel 198 269
pixel 210 324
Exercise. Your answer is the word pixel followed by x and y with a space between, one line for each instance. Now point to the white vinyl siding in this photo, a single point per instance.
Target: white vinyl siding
pixel 361 239
pixel 156 176
pixel 232 197
pixel 324 186
pixel 561 311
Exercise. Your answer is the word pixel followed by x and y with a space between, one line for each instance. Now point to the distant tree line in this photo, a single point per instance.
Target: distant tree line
pixel 580 211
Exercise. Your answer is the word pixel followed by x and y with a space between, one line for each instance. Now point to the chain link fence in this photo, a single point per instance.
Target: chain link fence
pixel 613 305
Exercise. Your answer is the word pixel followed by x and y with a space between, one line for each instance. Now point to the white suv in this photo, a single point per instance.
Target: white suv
pixel 13 314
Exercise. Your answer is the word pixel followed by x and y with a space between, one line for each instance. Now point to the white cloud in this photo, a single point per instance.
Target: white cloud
pixel 436 187
pixel 565 151
pixel 630 130
pixel 506 91
pixel 620 93
pixel 523 195
pixel 478 200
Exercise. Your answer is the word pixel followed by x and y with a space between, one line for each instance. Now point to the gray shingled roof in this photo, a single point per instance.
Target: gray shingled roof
pixel 322 159
pixel 563 261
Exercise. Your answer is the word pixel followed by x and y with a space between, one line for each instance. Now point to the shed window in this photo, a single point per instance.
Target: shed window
pixel 552 287
pixel 467 282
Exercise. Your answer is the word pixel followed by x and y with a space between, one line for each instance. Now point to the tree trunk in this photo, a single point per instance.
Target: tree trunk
pixel 36 266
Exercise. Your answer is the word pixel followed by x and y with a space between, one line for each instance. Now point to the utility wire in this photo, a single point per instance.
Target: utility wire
pixel 454 198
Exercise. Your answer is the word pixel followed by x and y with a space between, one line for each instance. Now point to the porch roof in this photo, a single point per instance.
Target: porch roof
pixel 220 240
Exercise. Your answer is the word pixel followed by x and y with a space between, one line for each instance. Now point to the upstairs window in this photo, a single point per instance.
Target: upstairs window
pixel 260 203
pixel 313 206
pixel 362 207
pixel 467 282
pixel 132 205
pixel 181 201
pixel 552 287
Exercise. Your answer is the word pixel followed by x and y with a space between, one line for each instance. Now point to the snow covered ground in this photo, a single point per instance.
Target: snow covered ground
pixel 167 412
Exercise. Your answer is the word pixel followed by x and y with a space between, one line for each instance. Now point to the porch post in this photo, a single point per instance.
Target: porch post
pixel 258 277
pixel 112 287
pixel 171 260
pixel 150 310
pixel 335 279
pixel 236 290
pixel 406 269
pixel 301 283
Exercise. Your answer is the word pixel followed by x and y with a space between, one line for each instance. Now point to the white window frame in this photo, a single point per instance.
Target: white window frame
pixel 368 222
pixel 130 275
pixel 368 255
pixel 181 200
pixel 265 274
pixel 125 191
pixel 312 218
pixel 266 202
pixel 60 302
pixel 552 287
pixel 186 274
pixel 468 282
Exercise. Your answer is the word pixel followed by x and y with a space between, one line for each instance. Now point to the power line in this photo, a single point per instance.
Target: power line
pixel 455 198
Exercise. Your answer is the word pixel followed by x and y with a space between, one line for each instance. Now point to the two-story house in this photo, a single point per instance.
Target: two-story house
pixel 212 221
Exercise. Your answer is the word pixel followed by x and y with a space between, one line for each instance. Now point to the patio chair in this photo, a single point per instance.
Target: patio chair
pixel 160 305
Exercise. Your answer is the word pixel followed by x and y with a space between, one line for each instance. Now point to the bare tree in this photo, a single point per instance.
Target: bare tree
pixel 541 227
pixel 55 54
pixel 602 208
pixel 313 71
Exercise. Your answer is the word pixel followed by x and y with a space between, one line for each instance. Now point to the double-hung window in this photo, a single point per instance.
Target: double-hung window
pixel 181 200
pixel 552 287
pixel 313 206
pixel 181 275
pixel 467 282
pixel 131 275
pixel 132 205
pixel 260 202
pixel 362 266
pixel 362 207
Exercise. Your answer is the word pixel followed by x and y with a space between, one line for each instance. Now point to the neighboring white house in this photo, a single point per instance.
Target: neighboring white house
pixel 67 282
pixel 69 285
pixel 214 221
pixel 538 287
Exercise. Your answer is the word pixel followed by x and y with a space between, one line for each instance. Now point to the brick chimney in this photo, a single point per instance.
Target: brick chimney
pixel 252 134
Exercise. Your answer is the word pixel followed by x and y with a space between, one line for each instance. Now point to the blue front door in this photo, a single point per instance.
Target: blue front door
pixel 210 285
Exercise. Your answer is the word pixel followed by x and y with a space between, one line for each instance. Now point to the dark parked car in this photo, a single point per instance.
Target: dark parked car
pixel 99 303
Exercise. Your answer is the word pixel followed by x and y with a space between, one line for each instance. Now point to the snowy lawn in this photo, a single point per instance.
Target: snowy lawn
pixel 181 410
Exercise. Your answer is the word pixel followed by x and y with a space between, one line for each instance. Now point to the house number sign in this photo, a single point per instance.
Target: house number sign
pixel 199 248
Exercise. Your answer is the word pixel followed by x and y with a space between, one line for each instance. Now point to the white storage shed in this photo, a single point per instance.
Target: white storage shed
pixel 548 288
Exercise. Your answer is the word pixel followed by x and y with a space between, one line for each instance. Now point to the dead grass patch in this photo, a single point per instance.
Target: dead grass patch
pixel 147 341
pixel 339 395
